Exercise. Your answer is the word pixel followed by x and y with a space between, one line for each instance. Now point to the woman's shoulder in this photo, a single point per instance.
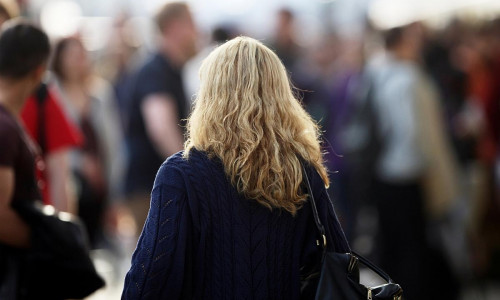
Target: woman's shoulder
pixel 313 176
pixel 195 158
pixel 180 167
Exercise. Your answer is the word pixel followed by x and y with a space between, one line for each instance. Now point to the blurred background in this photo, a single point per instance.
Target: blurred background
pixel 407 93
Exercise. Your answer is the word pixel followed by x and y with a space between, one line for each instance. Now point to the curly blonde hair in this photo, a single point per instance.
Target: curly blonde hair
pixel 246 114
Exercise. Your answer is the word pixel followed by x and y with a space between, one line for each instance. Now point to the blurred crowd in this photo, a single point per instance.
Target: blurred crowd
pixel 411 122
pixel 410 117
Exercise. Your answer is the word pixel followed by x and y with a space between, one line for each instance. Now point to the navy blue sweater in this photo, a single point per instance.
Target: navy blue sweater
pixel 203 240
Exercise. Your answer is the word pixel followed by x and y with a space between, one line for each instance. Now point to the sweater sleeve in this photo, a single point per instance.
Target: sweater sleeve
pixel 158 263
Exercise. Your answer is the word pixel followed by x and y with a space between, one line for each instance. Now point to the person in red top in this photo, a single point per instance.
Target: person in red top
pixel 47 124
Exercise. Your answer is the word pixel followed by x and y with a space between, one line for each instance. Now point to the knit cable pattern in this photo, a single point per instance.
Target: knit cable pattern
pixel 203 240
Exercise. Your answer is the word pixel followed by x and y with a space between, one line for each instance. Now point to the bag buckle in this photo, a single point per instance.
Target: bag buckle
pixel 324 241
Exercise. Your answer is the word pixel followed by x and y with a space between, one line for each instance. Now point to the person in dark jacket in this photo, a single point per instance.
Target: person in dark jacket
pixel 158 106
pixel 229 216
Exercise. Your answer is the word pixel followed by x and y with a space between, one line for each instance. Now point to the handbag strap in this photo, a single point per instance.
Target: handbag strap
pixel 319 225
pixel 321 230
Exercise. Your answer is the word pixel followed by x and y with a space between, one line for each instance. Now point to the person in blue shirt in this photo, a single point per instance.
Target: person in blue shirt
pixel 229 216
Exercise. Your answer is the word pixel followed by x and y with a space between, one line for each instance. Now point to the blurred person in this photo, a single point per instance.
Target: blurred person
pixel 24 50
pixel 450 56
pixel 479 56
pixel 158 106
pixel 443 62
pixel 47 125
pixel 284 40
pixel 88 103
pixel 464 60
pixel 313 72
pixel 123 54
pixel 229 216
pixel 414 170
pixel 326 72
pixel 480 91
pixel 342 82
pixel 304 74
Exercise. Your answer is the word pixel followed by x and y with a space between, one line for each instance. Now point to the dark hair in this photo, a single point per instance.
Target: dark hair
pixel 220 35
pixel 286 13
pixel 393 37
pixel 23 48
pixel 169 12
pixel 59 48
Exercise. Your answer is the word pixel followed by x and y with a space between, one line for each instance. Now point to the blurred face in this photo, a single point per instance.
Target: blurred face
pixel 285 23
pixel 186 35
pixel 190 36
pixel 412 41
pixel 469 53
pixel 75 65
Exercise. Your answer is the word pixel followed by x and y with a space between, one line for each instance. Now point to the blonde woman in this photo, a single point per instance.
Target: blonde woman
pixel 229 216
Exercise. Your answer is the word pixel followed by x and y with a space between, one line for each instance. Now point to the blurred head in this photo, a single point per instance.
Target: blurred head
pixel 221 35
pixel 70 61
pixel 285 25
pixel 285 17
pixel 393 37
pixel 246 114
pixel 24 50
pixel 406 41
pixel 176 26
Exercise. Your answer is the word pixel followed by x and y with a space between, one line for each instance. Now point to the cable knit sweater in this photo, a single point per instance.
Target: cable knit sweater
pixel 203 240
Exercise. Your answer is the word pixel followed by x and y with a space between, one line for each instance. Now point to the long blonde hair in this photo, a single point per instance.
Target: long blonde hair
pixel 246 114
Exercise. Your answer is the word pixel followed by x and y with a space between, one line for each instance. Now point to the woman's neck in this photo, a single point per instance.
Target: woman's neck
pixel 74 84
pixel 77 95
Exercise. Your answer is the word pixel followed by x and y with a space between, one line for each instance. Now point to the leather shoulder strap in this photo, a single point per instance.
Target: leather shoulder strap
pixel 319 225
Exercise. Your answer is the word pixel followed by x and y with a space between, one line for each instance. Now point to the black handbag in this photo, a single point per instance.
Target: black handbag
pixel 57 265
pixel 337 276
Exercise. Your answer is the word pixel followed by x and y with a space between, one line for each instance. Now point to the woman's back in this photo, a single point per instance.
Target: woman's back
pixel 203 240
pixel 229 217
